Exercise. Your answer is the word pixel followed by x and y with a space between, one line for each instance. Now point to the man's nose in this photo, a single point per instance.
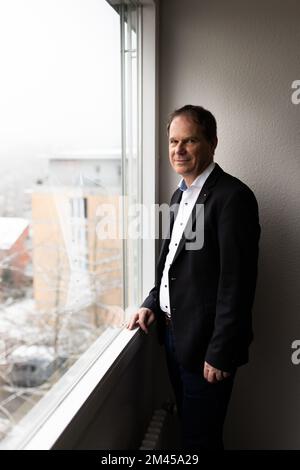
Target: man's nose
pixel 180 148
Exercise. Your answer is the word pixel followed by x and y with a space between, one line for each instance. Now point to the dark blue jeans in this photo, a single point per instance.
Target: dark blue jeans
pixel 201 405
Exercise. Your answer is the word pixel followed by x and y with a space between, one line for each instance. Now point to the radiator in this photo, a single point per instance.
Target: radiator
pixel 153 436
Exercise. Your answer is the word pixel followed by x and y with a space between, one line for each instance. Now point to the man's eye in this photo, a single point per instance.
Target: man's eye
pixel 191 141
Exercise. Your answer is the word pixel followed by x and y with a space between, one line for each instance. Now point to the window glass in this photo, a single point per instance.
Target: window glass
pixel 69 160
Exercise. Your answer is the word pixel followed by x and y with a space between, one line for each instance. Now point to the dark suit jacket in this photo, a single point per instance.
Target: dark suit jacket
pixel 212 288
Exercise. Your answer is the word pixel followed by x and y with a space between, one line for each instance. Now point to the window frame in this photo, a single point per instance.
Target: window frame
pixel 101 365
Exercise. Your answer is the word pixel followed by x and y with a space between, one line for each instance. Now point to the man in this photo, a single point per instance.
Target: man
pixel 203 297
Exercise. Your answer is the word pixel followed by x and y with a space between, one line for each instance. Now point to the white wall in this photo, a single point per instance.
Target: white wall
pixel 239 59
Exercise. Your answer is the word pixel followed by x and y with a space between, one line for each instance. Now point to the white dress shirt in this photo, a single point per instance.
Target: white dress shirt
pixel 188 200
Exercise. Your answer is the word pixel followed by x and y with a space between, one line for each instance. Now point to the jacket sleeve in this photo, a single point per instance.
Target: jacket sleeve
pixel 151 301
pixel 238 235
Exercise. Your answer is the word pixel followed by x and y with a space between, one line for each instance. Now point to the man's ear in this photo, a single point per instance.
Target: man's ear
pixel 214 144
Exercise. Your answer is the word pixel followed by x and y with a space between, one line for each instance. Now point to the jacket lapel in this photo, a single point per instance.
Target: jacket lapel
pixel 202 198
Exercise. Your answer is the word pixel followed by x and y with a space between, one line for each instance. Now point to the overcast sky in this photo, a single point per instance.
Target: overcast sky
pixel 59 77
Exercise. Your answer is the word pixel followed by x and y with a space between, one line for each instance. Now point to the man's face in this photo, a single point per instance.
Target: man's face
pixel 189 151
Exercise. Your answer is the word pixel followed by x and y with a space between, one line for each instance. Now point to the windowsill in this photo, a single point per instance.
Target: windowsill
pixel 47 421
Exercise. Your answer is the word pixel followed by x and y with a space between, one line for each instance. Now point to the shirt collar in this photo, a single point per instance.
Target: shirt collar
pixel 199 181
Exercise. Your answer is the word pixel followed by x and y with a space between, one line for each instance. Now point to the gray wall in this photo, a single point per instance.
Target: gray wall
pixel 239 59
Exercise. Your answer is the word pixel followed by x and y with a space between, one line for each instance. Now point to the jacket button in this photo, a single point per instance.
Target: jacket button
pixel 173 278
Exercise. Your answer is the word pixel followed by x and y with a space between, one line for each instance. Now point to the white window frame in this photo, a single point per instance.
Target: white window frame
pixel 100 366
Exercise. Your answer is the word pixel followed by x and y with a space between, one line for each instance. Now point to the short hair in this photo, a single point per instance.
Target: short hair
pixel 200 116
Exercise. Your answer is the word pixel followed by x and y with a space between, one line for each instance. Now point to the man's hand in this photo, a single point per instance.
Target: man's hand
pixel 213 375
pixel 143 318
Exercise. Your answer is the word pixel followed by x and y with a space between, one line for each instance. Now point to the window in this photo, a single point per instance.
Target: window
pixel 70 121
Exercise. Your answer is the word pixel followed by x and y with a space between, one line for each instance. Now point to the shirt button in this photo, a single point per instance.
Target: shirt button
pixel 176 244
pixel 165 286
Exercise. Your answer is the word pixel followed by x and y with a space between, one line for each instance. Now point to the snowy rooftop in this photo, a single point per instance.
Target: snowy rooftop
pixel 24 353
pixel 11 228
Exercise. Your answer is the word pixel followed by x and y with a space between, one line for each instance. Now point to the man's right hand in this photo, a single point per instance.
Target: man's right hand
pixel 143 318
